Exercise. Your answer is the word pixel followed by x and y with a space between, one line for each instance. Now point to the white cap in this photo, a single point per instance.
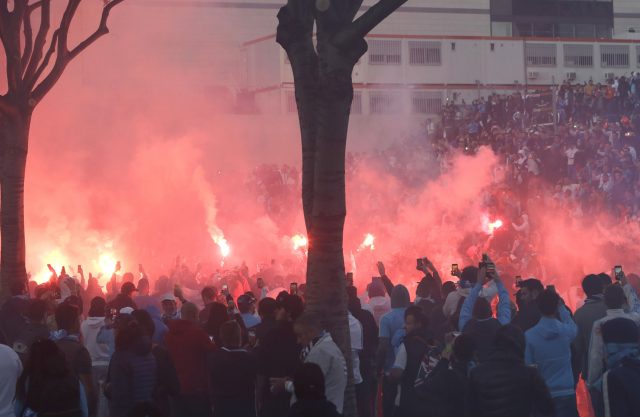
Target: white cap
pixel 168 297
pixel 126 310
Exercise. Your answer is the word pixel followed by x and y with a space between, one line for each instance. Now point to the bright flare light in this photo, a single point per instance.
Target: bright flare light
pixel 299 242
pixel 490 227
pixel 56 259
pixel 368 242
pixel 107 265
pixel 225 249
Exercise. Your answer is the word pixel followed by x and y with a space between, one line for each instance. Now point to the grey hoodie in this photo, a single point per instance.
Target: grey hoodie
pixel 100 353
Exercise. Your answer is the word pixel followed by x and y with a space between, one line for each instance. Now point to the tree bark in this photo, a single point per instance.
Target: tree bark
pixel 15 140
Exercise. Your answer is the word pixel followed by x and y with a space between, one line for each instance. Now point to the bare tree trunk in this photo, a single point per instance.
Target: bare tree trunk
pixel 14 160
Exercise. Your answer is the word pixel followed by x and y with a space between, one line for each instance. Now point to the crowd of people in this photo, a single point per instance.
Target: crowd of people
pixel 470 347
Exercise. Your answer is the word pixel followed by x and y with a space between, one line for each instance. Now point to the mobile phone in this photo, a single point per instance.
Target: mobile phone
pixel 617 271
pixel 491 267
pixel 293 288
pixel 419 263
pixel 518 281
pixel 455 270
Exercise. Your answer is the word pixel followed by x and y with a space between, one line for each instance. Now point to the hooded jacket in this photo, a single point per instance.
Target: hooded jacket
pixel 504 386
pixel 549 347
pixel 593 310
pixel 392 323
pixel 100 352
pixel 132 377
pixel 188 346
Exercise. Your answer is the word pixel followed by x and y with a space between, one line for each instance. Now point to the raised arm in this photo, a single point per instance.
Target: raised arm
pixel 467 306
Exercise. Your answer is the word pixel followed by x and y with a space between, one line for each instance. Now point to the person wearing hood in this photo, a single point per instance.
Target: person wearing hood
pixel 548 346
pixel 620 383
pixel 308 385
pixel 476 318
pixel 132 373
pixel 528 313
pixel 100 352
pixel 189 345
pixel 390 337
pixel 503 386
pixel 378 304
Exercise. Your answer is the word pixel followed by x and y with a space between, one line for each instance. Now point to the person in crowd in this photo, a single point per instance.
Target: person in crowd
pixel 167 383
pixel 247 308
pixel 169 308
pixel 453 303
pixel 47 386
pixel 144 299
pixel 125 298
pixel 390 336
pixel 548 347
pixel 365 391
pixel 232 372
pixel 620 382
pixel 267 312
pixel 356 336
pixel 35 328
pixel 528 313
pixel 67 337
pixel 188 345
pixel 309 389
pixel 10 369
pixel 100 352
pixel 278 356
pixel 379 304
pixel 13 311
pixel 503 386
pixel 160 328
pixel 476 317
pixel 319 348
pixel 209 296
pixel 407 362
pixel 218 314
pixel 615 297
pixel 444 391
pixel 591 311
pixel 132 375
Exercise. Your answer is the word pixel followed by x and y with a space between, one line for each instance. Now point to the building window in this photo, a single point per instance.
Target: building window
pixel 424 53
pixel 385 52
pixel 541 54
pixel 426 102
pixel 384 102
pixel 585 30
pixel 356 103
pixel 290 98
pixel 614 56
pixel 578 56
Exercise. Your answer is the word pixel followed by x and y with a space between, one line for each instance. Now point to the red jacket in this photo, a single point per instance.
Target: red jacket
pixel 188 345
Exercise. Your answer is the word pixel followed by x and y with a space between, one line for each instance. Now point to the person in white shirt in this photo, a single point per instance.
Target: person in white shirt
pixel 356 333
pixel 10 369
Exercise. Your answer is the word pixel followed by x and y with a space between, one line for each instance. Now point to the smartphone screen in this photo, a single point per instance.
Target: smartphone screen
pixel 293 288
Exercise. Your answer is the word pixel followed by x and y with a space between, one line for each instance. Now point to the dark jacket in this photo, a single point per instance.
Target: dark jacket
pixel 29 334
pixel 622 389
pixel 504 387
pixel 416 345
pixel 593 310
pixel 12 318
pixel 188 345
pixel 167 384
pixel 367 355
pixel 445 390
pixel 527 317
pixel 121 301
pixel 482 332
pixel 232 375
pixel 313 408
pixel 132 378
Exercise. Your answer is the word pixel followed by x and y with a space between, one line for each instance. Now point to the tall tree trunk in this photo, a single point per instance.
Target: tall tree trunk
pixel 14 161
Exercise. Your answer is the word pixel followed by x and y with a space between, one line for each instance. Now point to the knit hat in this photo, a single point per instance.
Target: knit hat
pixel 620 330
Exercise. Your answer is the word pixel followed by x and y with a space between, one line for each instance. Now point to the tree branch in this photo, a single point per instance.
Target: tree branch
pixel 28 39
pixel 365 23
pixel 64 56
pixel 47 58
pixel 39 44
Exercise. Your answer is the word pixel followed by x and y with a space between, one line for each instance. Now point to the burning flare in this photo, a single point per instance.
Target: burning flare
pixel 225 249
pixel 490 227
pixel 299 242
pixel 368 242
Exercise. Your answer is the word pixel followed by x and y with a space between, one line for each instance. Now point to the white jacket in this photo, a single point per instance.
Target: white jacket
pixel 326 354
pixel 100 353
pixel 10 369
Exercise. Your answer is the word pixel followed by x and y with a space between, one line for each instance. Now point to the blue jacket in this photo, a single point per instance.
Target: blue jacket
pixel 549 347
